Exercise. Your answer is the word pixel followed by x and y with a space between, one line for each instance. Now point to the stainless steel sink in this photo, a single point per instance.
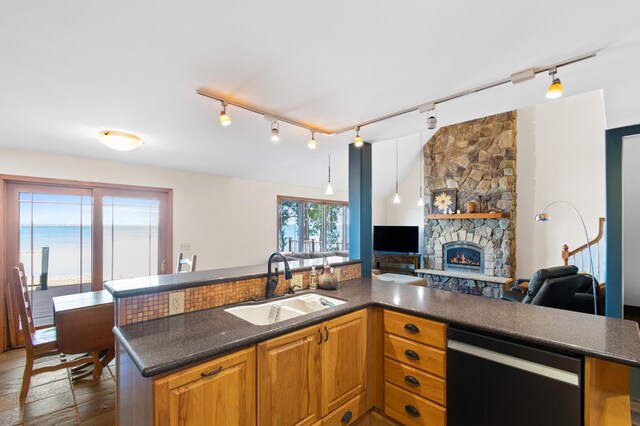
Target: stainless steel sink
pixel 284 309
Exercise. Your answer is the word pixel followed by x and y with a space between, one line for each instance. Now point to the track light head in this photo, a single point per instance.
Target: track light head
pixel 275 132
pixel 225 120
pixel 358 142
pixel 312 142
pixel 432 121
pixel 555 90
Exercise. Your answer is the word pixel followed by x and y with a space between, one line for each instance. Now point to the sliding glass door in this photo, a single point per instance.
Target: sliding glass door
pixel 71 239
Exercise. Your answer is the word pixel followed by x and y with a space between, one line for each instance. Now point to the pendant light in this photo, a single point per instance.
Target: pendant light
pixel 420 170
pixel 225 120
pixel 358 142
pixel 555 90
pixel 396 198
pixel 275 131
pixel 312 142
pixel 329 190
pixel 432 120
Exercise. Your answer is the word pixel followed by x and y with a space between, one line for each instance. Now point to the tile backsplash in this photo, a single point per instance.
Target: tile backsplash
pixel 146 307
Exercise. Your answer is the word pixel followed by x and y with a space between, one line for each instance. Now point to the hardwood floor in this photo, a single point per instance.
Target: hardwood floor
pixel 53 399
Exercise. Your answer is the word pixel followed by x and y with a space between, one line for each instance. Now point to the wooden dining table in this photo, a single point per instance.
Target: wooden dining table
pixel 84 324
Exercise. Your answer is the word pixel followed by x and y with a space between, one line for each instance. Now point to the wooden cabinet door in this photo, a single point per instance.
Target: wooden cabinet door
pixel 289 379
pixel 344 349
pixel 218 392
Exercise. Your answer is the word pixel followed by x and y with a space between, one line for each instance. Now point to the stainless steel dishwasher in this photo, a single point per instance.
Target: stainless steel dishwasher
pixel 495 382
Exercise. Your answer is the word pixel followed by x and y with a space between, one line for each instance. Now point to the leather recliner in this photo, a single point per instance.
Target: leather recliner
pixel 560 287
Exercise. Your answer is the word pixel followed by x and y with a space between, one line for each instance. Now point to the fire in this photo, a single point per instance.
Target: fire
pixel 462 260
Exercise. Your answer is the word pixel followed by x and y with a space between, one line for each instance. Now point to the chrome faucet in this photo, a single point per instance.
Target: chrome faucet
pixel 272 283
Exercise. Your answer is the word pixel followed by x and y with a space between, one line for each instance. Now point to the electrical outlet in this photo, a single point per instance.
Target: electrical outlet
pixel 185 246
pixel 297 280
pixel 176 303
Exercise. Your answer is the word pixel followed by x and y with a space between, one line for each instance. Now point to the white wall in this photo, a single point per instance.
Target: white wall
pixel 631 224
pixel 560 157
pixel 228 221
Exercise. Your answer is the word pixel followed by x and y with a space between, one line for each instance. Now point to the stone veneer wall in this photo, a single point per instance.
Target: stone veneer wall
pixel 153 306
pixel 477 157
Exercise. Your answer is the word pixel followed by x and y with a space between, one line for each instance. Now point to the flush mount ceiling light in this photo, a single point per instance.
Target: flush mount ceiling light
pixel 225 120
pixel 329 190
pixel 555 90
pixel 516 78
pixel 312 142
pixel 358 142
pixel 120 141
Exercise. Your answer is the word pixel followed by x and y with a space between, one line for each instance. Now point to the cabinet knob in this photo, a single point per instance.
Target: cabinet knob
pixel 346 418
pixel 412 411
pixel 412 355
pixel 411 381
pixel 412 328
pixel 211 373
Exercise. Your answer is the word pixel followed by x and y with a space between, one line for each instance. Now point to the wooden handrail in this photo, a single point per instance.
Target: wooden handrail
pixel 566 254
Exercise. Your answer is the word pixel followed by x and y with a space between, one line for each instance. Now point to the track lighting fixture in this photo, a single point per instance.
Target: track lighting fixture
pixel 396 198
pixel 329 190
pixel 275 131
pixel 225 120
pixel 312 141
pixel 555 90
pixel 432 121
pixel 358 142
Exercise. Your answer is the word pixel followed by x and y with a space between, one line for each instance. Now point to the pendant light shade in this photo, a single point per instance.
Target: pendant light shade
pixel 120 141
pixel 225 120
pixel 329 190
pixel 312 142
pixel 555 90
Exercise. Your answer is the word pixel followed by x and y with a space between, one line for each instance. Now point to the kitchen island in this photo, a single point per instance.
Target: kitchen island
pixel 149 351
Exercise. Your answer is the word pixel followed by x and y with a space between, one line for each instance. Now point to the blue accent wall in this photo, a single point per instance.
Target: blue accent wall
pixel 360 206
pixel 613 151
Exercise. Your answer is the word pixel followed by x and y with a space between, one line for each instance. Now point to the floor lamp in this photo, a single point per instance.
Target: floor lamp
pixel 544 217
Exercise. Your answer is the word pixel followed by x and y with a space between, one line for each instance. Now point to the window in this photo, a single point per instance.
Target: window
pixel 306 225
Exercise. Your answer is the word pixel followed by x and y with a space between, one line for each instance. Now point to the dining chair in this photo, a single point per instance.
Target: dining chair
pixel 186 264
pixel 39 342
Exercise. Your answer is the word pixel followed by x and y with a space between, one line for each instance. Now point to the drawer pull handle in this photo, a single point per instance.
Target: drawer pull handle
pixel 346 418
pixel 326 334
pixel 412 355
pixel 412 411
pixel 319 336
pixel 411 328
pixel 211 373
pixel 411 381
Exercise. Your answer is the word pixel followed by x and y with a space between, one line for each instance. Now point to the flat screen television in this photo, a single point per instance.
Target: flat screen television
pixel 398 239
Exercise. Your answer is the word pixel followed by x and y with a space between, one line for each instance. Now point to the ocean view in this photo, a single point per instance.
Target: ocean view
pixel 129 251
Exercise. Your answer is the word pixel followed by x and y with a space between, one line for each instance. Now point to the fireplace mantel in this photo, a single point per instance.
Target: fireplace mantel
pixel 466 216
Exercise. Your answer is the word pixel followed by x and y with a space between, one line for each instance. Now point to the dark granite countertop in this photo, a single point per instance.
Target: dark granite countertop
pixel 170 282
pixel 166 344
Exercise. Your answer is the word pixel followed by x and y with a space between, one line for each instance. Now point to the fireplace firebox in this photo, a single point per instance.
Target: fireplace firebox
pixel 463 256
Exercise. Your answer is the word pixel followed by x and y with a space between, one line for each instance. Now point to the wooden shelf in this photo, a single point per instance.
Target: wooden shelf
pixel 466 216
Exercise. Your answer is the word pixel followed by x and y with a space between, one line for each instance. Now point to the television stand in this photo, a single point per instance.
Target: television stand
pixel 397 263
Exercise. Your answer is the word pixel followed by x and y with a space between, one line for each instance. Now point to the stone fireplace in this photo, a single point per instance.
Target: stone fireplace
pixel 478 159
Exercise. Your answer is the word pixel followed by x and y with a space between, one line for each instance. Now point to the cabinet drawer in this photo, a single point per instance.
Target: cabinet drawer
pixel 348 413
pixel 419 356
pixel 410 409
pixel 420 330
pixel 413 380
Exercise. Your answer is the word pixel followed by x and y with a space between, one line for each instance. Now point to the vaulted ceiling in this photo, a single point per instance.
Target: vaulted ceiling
pixel 71 68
